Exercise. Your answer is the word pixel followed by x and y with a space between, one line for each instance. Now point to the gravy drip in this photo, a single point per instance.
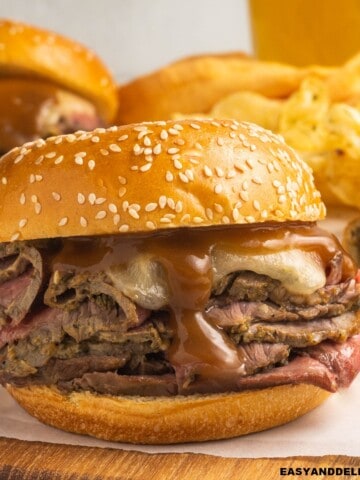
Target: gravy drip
pixel 200 349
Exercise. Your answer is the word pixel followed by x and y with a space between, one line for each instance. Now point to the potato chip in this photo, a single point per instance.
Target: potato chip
pixel 251 107
pixel 303 115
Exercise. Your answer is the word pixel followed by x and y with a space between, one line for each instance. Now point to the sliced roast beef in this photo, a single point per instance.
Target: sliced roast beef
pixel 303 334
pixel 21 275
pixel 68 291
pixel 112 384
pixel 252 287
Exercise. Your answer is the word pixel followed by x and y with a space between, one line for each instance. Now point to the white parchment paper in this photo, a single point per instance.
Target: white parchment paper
pixel 331 429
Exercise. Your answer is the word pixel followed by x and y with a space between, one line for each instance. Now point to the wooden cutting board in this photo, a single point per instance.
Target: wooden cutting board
pixel 20 460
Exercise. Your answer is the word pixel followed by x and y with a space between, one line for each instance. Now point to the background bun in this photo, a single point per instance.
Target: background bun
pixel 162 420
pixel 139 178
pixel 195 84
pixel 34 52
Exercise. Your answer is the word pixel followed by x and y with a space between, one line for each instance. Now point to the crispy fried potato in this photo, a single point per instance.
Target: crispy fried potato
pixel 303 115
pixel 251 107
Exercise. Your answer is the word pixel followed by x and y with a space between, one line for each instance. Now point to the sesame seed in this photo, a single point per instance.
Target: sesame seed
pixel 116 219
pixel 231 174
pixel 176 157
pixel 177 126
pixel 235 214
pixel 164 135
pixel 218 208
pixel 189 173
pixel 173 150
pixel 104 152
pixel 264 214
pixel 207 171
pixel 34 198
pixel 183 177
pixel 37 208
pixel 276 183
pixel 256 205
pixel 32 178
pixel 282 198
pixel 249 162
pixel 134 213
pixel 146 167
pixel 91 164
pixel 238 204
pixel 209 213
pixel 81 198
pixel 50 155
pixel 83 222
pixel 239 167
pixel 150 225
pixel 215 124
pixel 244 196
pixel 100 200
pixel 165 220
pixel 100 215
pixel 225 219
pixel 162 201
pixel 18 159
pixel 279 213
pixel 179 141
pixel 59 159
pixel 281 189
pixel 38 178
pixel 122 180
pixel 63 221
pixel 157 149
pixel 245 185
pixel 39 160
pixel 150 207
pixel 112 208
pixel 219 172
pixel 79 161
pixel 95 139
pixel 185 218
pixel 171 203
pixel 169 177
pixel 147 141
pixel 15 237
pixel 252 147
pixel 198 220
pixel 218 188
pixel 92 198
pixel 173 131
pixel 195 126
pixel 199 146
pixel 56 196
pixel 124 228
pixel 257 180
pixel 140 128
pixel 148 151
pixel 220 141
pixel 123 137
pixel 177 164
pixel 58 140
pixel 249 219
pixel 22 199
pixel 22 222
pixel 122 191
pixel 4 180
pixel 115 148
pixel 179 206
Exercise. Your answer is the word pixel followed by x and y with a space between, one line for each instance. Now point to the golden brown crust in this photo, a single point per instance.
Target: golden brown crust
pixel 169 420
pixel 31 51
pixel 195 84
pixel 164 175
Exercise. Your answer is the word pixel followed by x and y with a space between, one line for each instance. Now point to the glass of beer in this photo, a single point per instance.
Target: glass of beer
pixel 304 32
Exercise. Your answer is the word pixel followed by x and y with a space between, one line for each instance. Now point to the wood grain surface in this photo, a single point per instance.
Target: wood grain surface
pixel 20 460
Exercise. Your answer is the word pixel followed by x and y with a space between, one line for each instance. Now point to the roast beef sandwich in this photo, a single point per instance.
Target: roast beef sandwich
pixel 167 282
pixel 49 85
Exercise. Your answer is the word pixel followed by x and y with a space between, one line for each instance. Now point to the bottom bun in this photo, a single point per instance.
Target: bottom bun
pixel 150 420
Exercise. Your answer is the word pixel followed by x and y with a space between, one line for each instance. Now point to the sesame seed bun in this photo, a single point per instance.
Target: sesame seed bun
pixel 150 420
pixel 29 51
pixel 153 176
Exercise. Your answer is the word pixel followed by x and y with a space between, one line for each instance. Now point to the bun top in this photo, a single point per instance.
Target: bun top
pixel 152 176
pixel 32 52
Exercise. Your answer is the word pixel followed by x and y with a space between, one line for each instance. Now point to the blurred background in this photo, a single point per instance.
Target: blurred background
pixel 134 37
